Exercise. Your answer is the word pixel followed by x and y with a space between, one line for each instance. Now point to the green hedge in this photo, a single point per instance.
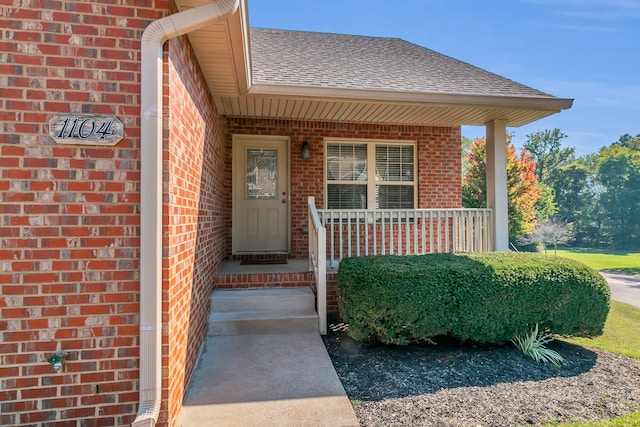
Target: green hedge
pixel 481 297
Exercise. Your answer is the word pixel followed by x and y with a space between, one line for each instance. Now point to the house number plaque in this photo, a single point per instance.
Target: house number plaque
pixel 86 129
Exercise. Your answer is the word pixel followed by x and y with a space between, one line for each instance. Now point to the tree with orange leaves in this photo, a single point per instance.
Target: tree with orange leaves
pixel 522 185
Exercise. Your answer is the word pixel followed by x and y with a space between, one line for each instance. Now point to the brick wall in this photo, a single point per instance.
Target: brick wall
pixel 438 164
pixel 69 215
pixel 194 217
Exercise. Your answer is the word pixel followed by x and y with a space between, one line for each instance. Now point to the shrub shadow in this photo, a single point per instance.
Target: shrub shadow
pixel 373 373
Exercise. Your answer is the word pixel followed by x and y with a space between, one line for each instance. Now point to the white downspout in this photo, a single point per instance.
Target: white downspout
pixel 153 38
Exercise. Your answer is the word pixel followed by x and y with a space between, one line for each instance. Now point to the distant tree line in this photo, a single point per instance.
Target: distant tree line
pixel 595 197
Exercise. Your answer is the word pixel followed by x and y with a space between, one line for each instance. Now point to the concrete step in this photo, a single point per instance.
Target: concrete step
pixel 257 323
pixel 262 311
pixel 266 299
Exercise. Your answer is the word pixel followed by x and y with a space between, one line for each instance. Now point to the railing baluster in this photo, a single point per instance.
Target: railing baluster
pixel 473 218
pixel 391 233
pixel 440 231
pixel 464 217
pixel 375 233
pixel 447 233
pixel 447 248
pixel 384 232
pixel 482 232
pixel 467 235
pixel 398 234
pixel 407 232
pixel 471 231
pixel 415 233
pixel 487 231
pixel 456 235
pixel 366 233
pixel 461 238
pixel 340 234
pixel 349 234
pixel 431 239
pixel 423 233
pixel 467 231
pixel 333 239
pixel 357 242
pixel 400 245
pixel 334 228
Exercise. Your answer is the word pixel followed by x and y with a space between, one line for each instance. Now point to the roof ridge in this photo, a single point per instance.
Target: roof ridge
pixel 328 33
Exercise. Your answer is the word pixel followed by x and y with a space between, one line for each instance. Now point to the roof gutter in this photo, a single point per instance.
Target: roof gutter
pixel 538 102
pixel 153 39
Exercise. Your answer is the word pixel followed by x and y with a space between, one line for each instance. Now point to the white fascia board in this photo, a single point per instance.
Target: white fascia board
pixel 241 48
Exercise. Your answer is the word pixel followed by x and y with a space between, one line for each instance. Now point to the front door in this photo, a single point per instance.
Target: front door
pixel 260 194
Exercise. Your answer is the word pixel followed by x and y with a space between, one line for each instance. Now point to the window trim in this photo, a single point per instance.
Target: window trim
pixel 371 170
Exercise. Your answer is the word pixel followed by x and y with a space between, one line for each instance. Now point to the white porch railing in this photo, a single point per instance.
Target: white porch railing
pixel 403 232
pixel 318 263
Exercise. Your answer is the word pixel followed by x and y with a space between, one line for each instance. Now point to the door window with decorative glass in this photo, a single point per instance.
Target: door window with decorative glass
pixel 370 175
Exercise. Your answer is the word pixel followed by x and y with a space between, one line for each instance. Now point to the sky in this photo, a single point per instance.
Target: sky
pixel 586 50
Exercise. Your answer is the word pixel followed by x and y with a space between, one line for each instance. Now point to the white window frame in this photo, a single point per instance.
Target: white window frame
pixel 371 169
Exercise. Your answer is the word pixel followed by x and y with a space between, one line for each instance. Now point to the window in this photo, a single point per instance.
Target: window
pixel 370 175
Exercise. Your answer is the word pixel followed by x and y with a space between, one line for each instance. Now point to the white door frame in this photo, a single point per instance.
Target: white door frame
pixel 237 187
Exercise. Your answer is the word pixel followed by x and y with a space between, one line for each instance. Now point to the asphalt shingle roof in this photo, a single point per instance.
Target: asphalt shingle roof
pixel 323 60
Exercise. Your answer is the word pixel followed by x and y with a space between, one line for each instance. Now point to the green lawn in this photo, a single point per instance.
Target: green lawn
pixel 622 330
pixel 604 260
pixel 629 420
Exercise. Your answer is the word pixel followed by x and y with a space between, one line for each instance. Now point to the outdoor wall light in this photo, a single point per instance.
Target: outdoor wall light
pixel 306 150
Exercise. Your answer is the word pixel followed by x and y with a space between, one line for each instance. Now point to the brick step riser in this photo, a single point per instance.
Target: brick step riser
pixel 264 280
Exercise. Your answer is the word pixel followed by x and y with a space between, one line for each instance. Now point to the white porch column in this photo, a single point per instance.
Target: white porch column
pixel 497 183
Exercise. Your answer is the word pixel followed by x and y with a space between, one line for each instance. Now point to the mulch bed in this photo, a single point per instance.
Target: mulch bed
pixel 454 384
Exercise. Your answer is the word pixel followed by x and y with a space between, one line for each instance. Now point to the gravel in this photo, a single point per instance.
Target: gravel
pixel 454 384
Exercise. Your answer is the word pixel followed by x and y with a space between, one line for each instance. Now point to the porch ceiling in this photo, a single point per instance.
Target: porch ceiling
pixel 223 51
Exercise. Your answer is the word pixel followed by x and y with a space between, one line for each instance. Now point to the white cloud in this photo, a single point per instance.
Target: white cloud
pixel 594 9
pixel 585 28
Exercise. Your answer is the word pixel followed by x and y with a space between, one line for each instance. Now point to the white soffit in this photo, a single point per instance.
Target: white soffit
pixel 222 51
pixel 376 112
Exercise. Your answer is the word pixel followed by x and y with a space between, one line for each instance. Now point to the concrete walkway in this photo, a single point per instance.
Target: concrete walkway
pixel 266 380
pixel 625 287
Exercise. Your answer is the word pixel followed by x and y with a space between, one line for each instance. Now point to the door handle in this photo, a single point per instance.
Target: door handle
pixel 284 200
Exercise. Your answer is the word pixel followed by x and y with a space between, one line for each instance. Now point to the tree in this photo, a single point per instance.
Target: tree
pixel 522 188
pixel 576 195
pixel 466 143
pixel 548 153
pixel 617 171
pixel 628 141
pixel 548 233
pixel 546 206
